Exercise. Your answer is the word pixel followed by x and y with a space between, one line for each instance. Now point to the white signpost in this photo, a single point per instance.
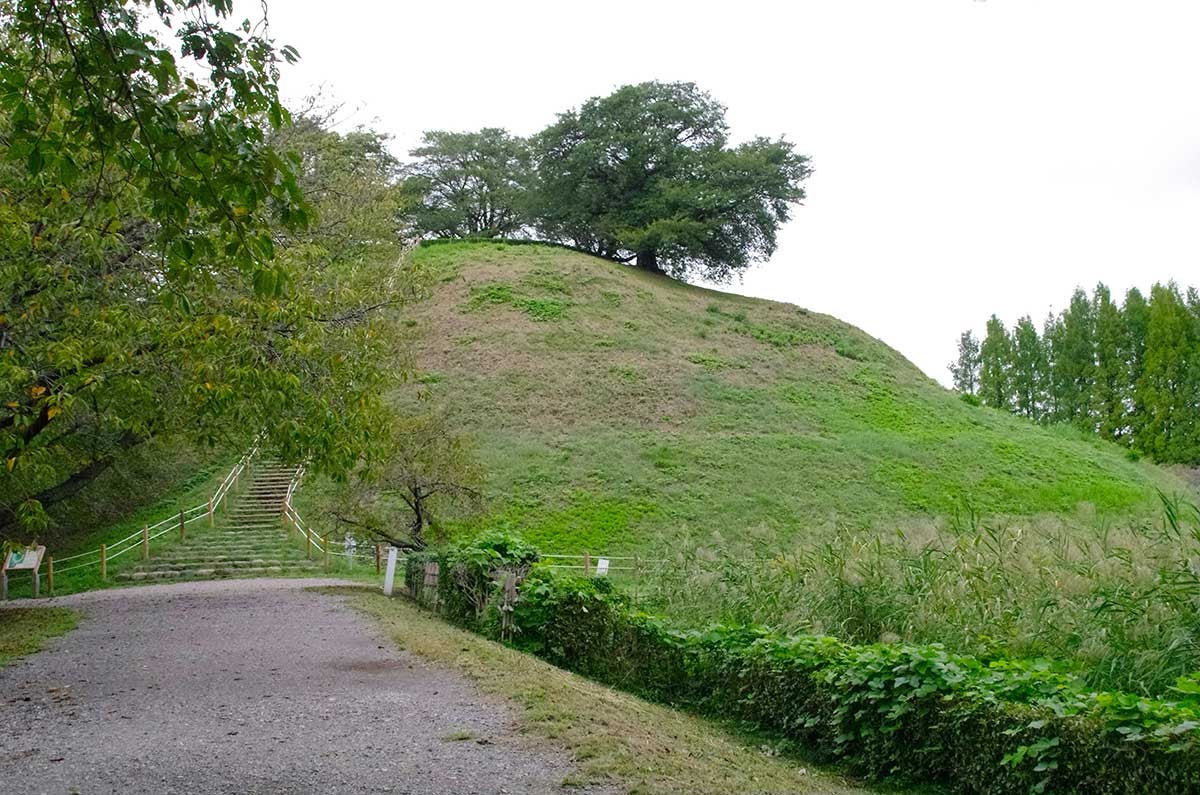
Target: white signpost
pixel 389 576
pixel 26 559
pixel 601 567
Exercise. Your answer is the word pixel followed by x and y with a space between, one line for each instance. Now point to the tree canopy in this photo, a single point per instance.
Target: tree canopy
pixel 647 175
pixel 467 184
pixel 145 289
pixel 1129 373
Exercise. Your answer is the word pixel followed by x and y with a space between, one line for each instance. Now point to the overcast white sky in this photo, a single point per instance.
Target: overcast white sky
pixel 970 157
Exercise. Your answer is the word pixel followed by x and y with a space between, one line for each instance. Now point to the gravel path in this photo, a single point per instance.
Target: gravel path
pixel 250 686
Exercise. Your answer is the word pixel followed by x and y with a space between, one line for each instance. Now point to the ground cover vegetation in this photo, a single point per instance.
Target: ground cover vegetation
pixel 917 712
pixel 25 630
pixel 1128 372
pixel 645 175
pixel 165 277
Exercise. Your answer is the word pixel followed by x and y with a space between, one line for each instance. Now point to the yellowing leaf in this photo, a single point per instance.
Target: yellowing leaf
pixel 12 404
pixel 53 412
pixel 38 391
pixel 10 463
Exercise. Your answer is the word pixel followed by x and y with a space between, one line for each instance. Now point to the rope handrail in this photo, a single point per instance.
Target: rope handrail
pixel 309 534
pixel 107 552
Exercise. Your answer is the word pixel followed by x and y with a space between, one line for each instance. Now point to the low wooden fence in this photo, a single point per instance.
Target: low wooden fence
pixel 103 555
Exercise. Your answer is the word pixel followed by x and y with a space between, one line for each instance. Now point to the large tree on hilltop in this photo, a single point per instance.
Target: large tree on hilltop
pixel 647 175
pixel 467 184
pixel 142 290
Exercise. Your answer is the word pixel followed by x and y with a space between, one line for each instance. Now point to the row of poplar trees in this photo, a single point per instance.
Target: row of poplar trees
pixel 1129 372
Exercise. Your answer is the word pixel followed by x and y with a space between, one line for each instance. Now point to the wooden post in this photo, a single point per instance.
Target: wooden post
pixel 210 512
pixel 103 563
pixel 327 553
pixel 50 574
pixel 308 544
pixel 377 560
pixel 637 576
pixel 587 563
pixel 37 583
pixel 182 524
pixel 145 542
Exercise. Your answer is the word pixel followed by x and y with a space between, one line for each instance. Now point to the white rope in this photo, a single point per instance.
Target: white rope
pixel 80 555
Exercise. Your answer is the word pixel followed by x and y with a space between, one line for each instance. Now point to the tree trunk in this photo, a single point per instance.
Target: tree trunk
pixel 647 260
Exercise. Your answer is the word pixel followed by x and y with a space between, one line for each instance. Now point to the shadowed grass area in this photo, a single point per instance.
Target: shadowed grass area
pixel 25 630
pixel 616 738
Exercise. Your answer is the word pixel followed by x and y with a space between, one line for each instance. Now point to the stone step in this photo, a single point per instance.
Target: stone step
pixel 214 573
pixel 221 563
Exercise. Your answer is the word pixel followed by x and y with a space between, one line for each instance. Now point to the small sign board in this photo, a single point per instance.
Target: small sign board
pixel 27 559
pixel 601 567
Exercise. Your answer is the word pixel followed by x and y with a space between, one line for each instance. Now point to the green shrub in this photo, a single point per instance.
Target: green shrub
pixel 888 709
pixel 470 575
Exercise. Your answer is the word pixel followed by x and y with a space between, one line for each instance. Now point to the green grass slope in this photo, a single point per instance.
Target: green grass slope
pixel 616 410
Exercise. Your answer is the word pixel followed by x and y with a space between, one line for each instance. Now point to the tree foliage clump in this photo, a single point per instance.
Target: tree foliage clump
pixel 467 184
pixel 1128 372
pixel 645 175
pixel 427 468
pixel 146 289
pixel 965 368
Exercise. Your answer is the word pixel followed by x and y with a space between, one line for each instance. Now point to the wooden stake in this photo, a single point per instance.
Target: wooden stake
pixel 210 512
pixel 587 563
pixel 103 563
pixel 50 574
pixel 145 542
pixel 378 562
pixel 182 524
pixel 327 553
pixel 308 544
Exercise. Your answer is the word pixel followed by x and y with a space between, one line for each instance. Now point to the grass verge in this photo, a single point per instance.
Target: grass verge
pixel 616 738
pixel 25 630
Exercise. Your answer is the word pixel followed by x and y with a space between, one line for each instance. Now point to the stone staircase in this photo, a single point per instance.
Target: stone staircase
pixel 248 537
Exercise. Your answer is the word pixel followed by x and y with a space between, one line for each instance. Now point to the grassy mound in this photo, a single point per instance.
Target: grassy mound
pixel 616 410
pixel 770 465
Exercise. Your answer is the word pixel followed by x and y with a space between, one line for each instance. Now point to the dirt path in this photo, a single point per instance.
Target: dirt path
pixel 250 686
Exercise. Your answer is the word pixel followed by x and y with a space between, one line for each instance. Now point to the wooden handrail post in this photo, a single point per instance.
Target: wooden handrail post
pixel 210 512
pixel 182 524
pixel 378 562
pixel 587 563
pixel 145 542
pixel 327 553
pixel 50 574
pixel 308 544
pixel 103 562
